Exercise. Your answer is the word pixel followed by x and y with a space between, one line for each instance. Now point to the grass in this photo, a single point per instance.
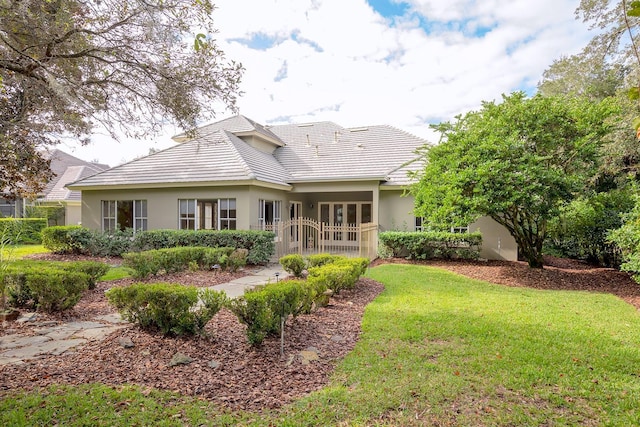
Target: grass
pixel 116 273
pixel 20 251
pixel 436 349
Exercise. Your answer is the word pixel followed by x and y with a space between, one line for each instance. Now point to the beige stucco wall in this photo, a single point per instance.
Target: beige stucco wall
pixel 162 204
pixel 497 243
pixel 396 211
pixel 73 214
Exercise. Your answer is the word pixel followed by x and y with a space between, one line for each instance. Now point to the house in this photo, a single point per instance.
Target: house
pixel 63 204
pixel 238 174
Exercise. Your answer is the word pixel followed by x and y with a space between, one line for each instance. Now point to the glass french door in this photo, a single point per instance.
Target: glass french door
pixel 343 214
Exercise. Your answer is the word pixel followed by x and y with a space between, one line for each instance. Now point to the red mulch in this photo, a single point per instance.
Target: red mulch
pixel 225 368
pixel 228 371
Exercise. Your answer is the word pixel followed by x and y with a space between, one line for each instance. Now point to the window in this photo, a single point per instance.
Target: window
pixel 227 214
pixel 211 214
pixel 108 215
pixel 419 224
pixel 269 212
pixel 187 214
pixel 123 214
pixel 140 214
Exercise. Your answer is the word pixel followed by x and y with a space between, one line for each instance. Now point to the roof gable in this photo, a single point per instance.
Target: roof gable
pixel 220 156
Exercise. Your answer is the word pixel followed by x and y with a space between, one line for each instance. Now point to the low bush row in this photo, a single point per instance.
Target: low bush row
pixel 178 309
pixel 16 231
pixel 430 245
pixel 170 308
pixel 78 240
pixel 265 309
pixel 171 260
pixel 49 286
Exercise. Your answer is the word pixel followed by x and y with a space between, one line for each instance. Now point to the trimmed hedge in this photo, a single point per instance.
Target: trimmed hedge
pixel 74 239
pixel 48 289
pixel 429 245
pixel 293 264
pixel 265 309
pixel 22 230
pixel 318 260
pixel 78 240
pixel 170 308
pixel 93 269
pixel 172 260
pixel 260 244
pixel 342 273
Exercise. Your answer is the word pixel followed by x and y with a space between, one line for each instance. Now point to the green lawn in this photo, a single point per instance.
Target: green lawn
pixel 19 251
pixel 436 349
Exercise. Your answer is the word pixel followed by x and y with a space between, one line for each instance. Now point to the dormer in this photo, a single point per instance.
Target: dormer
pixel 254 134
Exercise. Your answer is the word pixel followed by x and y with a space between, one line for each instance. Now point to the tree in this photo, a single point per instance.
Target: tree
pixel 516 161
pixel 128 66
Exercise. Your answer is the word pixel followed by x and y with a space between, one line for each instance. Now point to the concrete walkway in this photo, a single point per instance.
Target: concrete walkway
pixel 268 274
pixel 52 338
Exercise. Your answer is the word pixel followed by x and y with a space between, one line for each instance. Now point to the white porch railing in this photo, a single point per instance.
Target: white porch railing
pixel 307 236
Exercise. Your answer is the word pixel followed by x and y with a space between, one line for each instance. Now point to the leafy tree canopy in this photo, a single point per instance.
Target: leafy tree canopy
pixel 515 161
pixel 128 66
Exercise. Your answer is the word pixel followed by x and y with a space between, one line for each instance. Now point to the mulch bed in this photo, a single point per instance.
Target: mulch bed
pixel 228 371
pixel 225 368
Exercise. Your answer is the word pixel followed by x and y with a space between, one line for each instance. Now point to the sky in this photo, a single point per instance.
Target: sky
pixel 406 64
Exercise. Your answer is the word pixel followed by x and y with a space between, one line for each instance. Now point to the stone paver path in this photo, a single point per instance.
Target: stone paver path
pixel 54 339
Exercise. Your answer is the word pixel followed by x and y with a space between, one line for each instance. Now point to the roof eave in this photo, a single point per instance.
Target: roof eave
pixel 160 185
pixel 336 179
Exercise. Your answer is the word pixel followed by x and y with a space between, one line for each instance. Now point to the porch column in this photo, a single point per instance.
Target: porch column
pixel 375 202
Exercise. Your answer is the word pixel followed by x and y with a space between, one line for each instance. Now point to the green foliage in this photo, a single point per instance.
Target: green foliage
pixel 65 239
pixel 171 260
pixel 293 264
pixel 22 230
pixel 431 244
pixel 79 61
pixel 237 259
pixel 627 237
pixel 259 243
pixel 28 285
pixel 342 273
pixel 94 269
pixel 516 162
pixel 56 290
pixel 581 230
pixel 48 288
pixel 317 260
pixel 264 309
pixel 170 308
pixel 80 240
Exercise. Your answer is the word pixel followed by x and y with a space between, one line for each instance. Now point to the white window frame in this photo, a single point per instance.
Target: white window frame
pixel 224 214
pixel 111 214
pixel 262 210
pixel 190 203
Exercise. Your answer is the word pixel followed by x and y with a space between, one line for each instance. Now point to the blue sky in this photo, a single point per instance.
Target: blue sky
pixel 358 62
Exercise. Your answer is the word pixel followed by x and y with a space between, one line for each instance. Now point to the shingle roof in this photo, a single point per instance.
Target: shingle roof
pixel 326 151
pixel 322 151
pixel 67 169
pixel 236 125
pixel 218 156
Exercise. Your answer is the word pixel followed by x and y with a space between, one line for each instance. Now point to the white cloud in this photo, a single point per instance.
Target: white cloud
pixel 339 60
